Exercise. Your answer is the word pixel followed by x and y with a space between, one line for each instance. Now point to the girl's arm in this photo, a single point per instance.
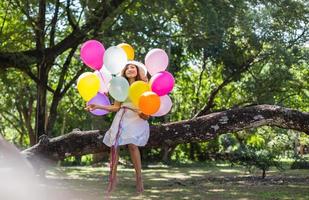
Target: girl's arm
pixel 143 116
pixel 111 108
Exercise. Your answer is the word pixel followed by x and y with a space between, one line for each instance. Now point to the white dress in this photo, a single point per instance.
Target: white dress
pixel 128 127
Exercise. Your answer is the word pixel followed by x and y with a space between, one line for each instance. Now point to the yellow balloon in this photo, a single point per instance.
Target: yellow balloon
pixel 128 49
pixel 88 85
pixel 136 90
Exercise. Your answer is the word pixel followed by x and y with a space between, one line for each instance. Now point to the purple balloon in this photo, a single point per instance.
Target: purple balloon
pixel 100 99
pixel 162 83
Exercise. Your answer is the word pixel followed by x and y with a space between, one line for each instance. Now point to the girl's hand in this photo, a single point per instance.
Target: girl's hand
pixel 143 116
pixel 91 107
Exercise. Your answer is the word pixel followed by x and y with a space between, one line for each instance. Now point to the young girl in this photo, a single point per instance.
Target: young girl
pixel 129 127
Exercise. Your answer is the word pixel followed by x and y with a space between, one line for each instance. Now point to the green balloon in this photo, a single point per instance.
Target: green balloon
pixel 119 88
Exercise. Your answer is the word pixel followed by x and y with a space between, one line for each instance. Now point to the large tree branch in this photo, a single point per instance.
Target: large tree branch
pixel 18 59
pixel 202 128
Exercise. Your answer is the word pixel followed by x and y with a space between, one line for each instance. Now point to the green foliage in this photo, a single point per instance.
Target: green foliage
pixel 304 139
pixel 252 158
pixel 228 143
pixel 300 163
pixel 256 141
pixel 85 160
pixel 181 153
pixel 259 46
pixel 260 148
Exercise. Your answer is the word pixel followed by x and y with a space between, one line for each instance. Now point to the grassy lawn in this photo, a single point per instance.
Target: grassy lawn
pixel 182 181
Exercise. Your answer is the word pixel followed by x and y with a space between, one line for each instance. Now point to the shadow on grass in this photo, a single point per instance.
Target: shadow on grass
pixel 190 181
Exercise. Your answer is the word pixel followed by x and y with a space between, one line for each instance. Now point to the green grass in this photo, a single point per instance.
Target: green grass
pixel 183 181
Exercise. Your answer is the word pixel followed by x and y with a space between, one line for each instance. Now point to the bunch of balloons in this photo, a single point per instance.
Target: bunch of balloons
pixel 151 98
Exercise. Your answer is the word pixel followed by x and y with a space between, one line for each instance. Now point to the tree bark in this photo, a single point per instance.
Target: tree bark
pixel 202 128
pixel 167 153
pixel 42 71
pixel 263 173
pixel 41 105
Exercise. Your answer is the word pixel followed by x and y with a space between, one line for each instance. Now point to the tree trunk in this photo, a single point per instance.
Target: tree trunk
pixel 52 115
pixel 192 150
pixel 264 174
pixel 167 153
pixel 301 150
pixel 296 145
pixel 99 157
pixel 63 125
pixel 27 116
pixel 42 73
pixel 40 107
pixel 202 128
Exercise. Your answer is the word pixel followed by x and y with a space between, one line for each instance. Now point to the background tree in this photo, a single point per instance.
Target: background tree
pixel 223 54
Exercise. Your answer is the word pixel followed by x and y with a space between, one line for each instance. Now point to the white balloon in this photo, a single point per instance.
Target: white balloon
pixel 119 88
pixel 115 59
pixel 165 106
pixel 105 77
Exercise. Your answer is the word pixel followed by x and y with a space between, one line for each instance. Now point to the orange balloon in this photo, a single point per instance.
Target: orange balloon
pixel 149 103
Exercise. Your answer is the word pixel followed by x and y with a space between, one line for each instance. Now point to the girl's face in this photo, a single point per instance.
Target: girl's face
pixel 131 71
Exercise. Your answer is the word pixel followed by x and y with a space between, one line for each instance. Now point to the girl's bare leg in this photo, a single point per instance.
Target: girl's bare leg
pixel 114 180
pixel 136 160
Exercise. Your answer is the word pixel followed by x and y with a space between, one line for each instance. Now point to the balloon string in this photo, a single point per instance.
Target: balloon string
pixel 102 76
pixel 114 149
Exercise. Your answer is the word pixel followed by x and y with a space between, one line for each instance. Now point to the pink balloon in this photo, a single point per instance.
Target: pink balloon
pixel 156 60
pixel 165 106
pixel 92 53
pixel 162 83
pixel 100 99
